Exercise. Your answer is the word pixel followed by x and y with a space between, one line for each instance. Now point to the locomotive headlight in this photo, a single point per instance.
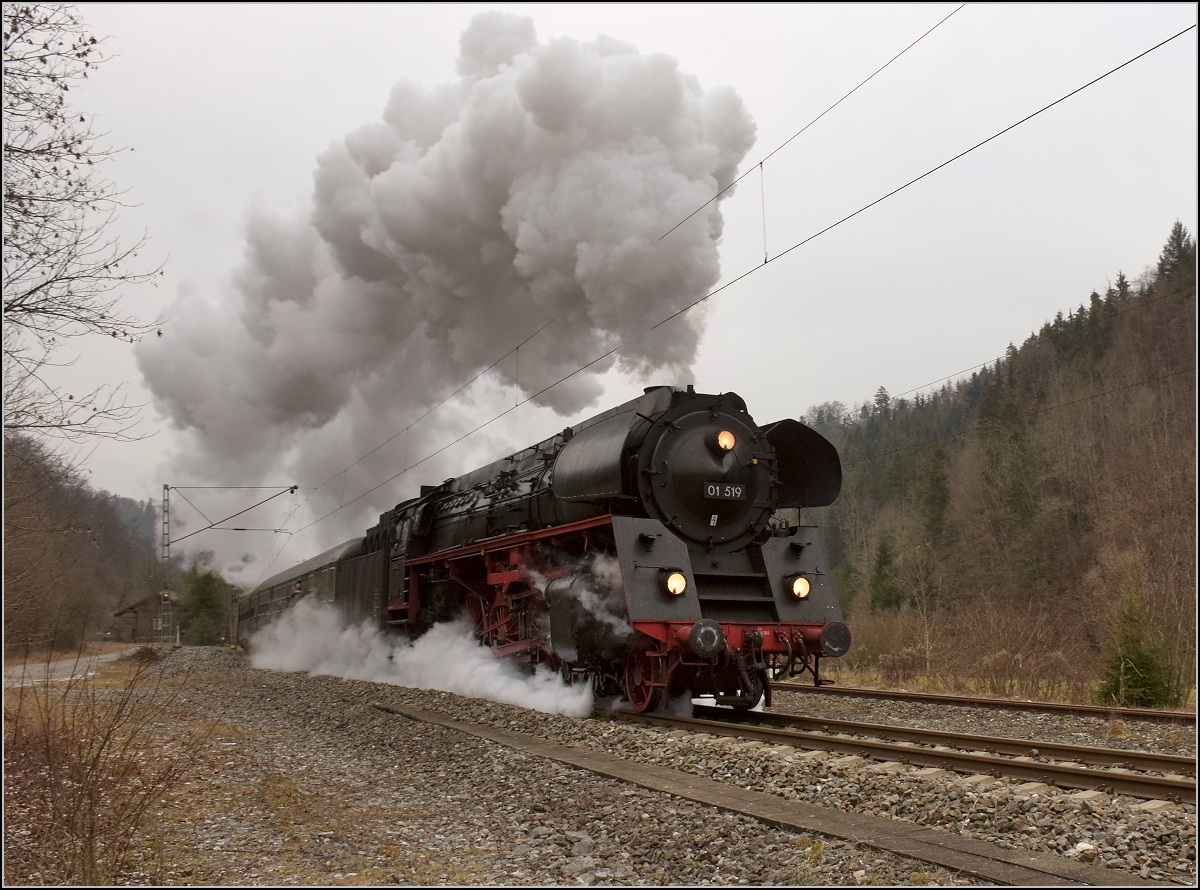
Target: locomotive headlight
pixel 800 587
pixel 674 582
pixel 726 440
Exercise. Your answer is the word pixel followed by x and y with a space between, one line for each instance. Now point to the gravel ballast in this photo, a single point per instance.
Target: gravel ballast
pixel 305 782
pixel 1149 839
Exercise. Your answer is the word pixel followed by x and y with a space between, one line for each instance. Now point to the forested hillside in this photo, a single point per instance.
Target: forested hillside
pixel 1032 528
pixel 73 556
pixel 69 552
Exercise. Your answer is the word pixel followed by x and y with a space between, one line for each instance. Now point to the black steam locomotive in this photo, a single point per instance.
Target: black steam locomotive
pixel 652 549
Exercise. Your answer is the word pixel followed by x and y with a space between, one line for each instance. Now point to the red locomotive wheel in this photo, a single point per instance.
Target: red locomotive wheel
pixel 503 624
pixel 475 611
pixel 640 670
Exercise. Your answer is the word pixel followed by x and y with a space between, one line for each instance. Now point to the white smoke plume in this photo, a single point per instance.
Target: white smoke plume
pixel 313 638
pixel 599 591
pixel 605 600
pixel 533 188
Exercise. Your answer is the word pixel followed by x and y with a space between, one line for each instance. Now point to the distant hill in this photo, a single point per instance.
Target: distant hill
pixel 1031 528
pixel 72 556
pixel 140 518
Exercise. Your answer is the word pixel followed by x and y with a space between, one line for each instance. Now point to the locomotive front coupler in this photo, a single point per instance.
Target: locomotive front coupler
pixel 750 690
pixel 758 663
pixel 799 658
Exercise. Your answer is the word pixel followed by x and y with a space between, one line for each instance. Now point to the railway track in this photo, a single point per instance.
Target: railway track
pixel 945 848
pixel 1133 773
pixel 1165 716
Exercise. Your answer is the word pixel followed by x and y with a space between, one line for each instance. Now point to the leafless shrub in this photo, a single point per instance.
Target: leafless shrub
pixel 84 761
pixel 901 667
pixel 1015 650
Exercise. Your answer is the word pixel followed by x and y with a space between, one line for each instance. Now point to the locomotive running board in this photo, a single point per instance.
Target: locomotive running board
pixel 507 542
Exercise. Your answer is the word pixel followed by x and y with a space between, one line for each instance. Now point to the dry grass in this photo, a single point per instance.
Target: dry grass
pixel 111 779
pixel 995 650
pixel 85 759
pixel 286 829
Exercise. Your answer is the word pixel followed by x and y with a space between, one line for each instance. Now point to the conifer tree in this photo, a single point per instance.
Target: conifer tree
pixel 883 402
pixel 934 494
pixel 1178 257
pixel 886 590
pixel 204 606
pixel 1123 289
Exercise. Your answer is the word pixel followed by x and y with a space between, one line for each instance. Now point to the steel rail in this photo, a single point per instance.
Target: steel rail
pixel 1080 754
pixel 1067 776
pixel 1011 704
pixel 943 846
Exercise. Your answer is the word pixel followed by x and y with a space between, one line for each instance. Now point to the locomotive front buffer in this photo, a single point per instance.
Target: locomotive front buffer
pixel 720 624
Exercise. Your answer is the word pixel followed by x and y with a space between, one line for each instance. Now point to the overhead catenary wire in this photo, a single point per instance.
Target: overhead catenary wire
pixel 215 526
pixel 929 172
pixel 530 398
pixel 193 506
pixel 762 191
pixel 232 487
pixel 278 531
pixel 1001 358
pixel 211 525
pixel 925 444
pixel 782 145
pixel 728 284
pixel 438 405
pixel 405 431
pixel 287 540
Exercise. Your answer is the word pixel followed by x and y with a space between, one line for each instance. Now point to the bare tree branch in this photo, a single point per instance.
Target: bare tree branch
pixel 63 268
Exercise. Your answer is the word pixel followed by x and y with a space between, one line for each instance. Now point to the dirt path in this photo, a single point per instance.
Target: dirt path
pixel 27 673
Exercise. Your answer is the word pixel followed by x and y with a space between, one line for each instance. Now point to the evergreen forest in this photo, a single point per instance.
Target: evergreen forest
pixel 1031 529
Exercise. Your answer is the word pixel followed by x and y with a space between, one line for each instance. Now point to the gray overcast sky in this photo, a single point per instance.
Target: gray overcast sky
pixel 228 107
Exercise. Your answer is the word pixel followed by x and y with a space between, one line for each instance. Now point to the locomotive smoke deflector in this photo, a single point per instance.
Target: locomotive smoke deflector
pixel 810 471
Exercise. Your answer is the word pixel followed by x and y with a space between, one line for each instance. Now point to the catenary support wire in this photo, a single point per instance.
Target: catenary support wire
pixel 717 290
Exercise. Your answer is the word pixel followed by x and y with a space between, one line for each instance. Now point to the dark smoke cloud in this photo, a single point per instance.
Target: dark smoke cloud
pixel 534 187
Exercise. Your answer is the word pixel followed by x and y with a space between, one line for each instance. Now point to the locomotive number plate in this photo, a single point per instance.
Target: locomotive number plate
pixel 725 491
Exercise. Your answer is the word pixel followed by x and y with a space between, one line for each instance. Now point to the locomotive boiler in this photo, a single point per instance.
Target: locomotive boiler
pixel 650 550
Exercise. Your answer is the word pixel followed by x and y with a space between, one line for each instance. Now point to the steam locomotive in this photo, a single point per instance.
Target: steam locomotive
pixel 652 549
